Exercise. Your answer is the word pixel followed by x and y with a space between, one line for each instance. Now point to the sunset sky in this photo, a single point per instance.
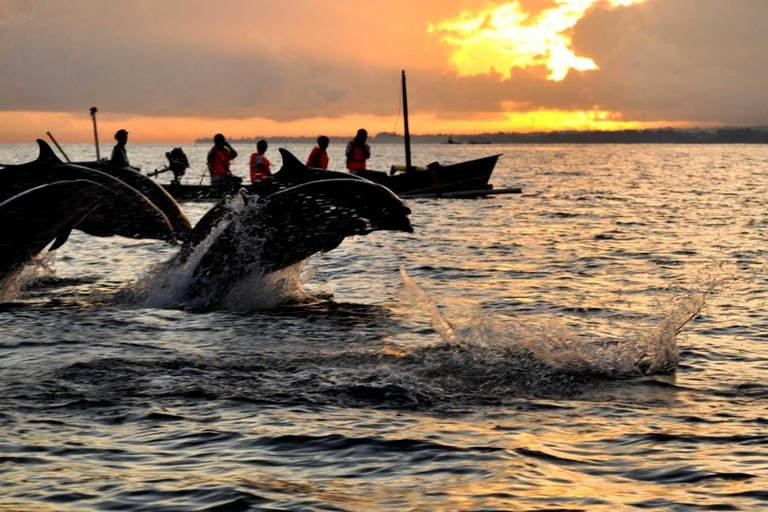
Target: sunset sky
pixel 175 70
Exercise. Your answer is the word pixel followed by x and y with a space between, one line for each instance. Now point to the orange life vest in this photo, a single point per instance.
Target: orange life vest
pixel 219 163
pixel 259 167
pixel 318 159
pixel 356 156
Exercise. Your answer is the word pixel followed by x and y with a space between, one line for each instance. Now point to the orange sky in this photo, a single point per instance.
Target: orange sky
pixel 27 126
pixel 173 70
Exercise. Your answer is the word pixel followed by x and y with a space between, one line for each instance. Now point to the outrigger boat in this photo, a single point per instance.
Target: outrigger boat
pixel 436 180
pixel 459 180
pixel 464 179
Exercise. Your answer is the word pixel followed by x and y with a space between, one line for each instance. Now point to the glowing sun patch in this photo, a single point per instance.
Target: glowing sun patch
pixel 506 37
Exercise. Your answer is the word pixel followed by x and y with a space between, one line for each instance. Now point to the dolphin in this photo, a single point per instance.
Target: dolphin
pixel 256 235
pixel 156 194
pixel 299 212
pixel 129 214
pixel 291 174
pixel 31 220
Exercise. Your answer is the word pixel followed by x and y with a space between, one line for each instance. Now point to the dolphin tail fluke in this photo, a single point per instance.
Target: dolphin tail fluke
pixel 61 239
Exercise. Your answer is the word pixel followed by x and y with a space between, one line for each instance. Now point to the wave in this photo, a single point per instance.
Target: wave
pixel 355 360
pixel 488 361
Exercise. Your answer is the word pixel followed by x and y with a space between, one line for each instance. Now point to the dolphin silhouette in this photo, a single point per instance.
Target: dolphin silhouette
pixel 31 220
pixel 131 214
pixel 295 214
pixel 250 234
pixel 148 187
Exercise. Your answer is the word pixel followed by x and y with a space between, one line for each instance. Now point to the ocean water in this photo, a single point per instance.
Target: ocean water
pixel 596 343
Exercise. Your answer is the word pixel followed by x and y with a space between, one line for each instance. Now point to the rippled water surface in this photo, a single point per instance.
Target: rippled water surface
pixel 596 343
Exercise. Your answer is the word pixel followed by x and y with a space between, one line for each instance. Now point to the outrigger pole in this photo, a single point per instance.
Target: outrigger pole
pixel 57 145
pixel 95 132
pixel 408 166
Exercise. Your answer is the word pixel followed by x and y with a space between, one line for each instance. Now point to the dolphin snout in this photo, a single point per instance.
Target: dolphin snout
pixel 395 222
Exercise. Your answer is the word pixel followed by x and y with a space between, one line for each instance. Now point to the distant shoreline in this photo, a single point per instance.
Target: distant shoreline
pixel 659 136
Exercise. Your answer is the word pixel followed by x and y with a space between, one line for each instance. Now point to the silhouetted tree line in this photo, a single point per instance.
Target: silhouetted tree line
pixel 659 136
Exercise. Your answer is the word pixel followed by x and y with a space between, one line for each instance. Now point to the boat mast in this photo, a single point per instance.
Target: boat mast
pixel 95 132
pixel 407 130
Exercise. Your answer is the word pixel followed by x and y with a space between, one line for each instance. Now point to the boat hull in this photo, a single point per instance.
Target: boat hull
pixel 449 179
pixel 463 176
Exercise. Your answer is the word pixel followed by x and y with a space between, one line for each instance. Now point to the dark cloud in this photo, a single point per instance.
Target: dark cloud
pixel 696 60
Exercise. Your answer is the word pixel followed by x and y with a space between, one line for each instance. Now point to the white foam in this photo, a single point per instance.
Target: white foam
pixel 168 285
pixel 486 341
pixel 37 267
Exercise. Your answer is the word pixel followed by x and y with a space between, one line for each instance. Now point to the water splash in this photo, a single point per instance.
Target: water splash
pixel 484 359
pixel 180 284
pixel 37 267
pixel 526 349
pixel 413 293
pixel 636 352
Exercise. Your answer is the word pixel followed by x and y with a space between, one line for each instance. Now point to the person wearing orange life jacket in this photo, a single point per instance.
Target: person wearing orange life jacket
pixel 358 152
pixel 259 163
pixel 219 159
pixel 318 158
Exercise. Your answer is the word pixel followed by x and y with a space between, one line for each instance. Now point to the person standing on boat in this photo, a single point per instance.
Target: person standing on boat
pixel 358 152
pixel 219 159
pixel 318 158
pixel 259 163
pixel 119 155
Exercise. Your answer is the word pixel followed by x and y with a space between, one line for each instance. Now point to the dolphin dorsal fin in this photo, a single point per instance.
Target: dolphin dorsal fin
pixel 291 163
pixel 46 153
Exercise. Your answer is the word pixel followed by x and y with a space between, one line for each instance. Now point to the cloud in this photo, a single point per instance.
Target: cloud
pixel 689 60
pixel 698 60
pixel 515 36
pixel 15 10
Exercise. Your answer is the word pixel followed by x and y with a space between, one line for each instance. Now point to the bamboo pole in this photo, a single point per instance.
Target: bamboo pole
pixel 95 132
pixel 57 145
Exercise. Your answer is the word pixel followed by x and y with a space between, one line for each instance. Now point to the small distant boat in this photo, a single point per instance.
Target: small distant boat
pixel 451 141
pixel 461 180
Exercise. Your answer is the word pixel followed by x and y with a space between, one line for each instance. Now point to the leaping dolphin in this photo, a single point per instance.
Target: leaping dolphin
pixel 148 187
pixel 297 213
pixel 33 219
pixel 132 214
pixel 253 235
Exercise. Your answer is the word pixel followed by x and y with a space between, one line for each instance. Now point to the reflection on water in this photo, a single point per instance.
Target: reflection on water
pixel 595 344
